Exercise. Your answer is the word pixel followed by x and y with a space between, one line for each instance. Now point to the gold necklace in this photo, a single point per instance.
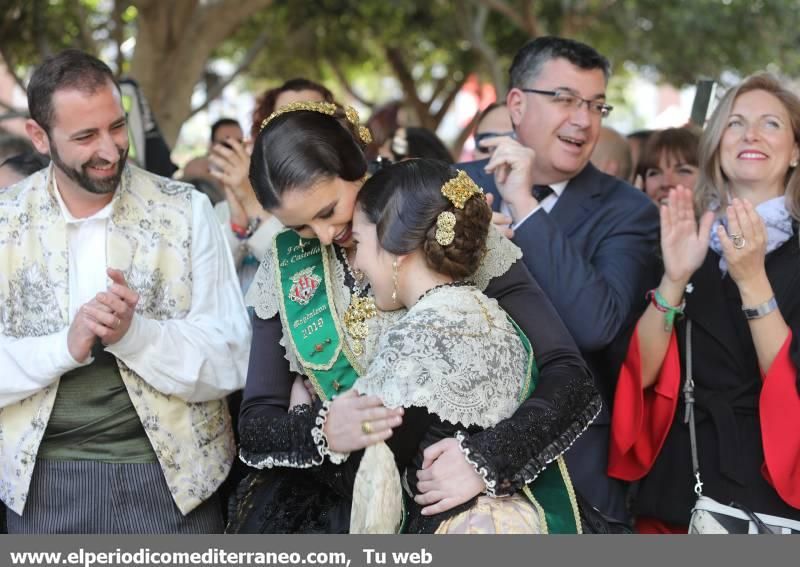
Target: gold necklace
pixel 361 309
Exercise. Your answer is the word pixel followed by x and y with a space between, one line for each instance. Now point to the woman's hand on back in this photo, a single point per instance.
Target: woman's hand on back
pixel 446 479
pixel 345 427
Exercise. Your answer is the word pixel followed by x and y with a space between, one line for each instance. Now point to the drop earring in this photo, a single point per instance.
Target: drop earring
pixel 394 280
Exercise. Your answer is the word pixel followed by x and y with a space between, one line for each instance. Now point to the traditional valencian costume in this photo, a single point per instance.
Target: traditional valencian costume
pixel 454 360
pixel 135 420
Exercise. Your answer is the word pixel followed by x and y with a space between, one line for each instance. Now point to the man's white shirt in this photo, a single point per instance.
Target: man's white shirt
pixel 201 357
pixel 546 204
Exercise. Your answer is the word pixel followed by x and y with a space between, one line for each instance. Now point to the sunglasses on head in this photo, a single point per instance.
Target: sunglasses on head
pixel 483 136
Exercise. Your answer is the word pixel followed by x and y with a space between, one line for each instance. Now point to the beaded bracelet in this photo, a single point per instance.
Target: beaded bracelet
pixel 669 311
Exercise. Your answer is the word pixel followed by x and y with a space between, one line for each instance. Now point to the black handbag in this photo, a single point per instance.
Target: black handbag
pixel 708 515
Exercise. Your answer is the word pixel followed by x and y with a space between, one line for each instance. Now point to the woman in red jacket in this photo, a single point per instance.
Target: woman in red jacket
pixel 735 277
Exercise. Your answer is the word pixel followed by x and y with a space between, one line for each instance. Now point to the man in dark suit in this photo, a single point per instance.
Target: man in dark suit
pixel 588 238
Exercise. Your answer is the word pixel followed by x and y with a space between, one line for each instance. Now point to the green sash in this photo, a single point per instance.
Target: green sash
pixel 551 493
pixel 307 311
pixel 317 340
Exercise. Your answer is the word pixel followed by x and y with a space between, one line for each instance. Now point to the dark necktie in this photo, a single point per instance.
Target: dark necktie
pixel 541 192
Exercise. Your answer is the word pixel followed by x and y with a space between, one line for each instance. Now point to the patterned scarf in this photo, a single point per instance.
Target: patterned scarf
pixel 776 218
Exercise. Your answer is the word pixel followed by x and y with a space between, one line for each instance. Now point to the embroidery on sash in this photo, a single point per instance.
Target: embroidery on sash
pixel 308 314
pixel 306 283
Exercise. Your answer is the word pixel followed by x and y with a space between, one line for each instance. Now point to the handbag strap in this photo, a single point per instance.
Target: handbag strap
pixel 688 396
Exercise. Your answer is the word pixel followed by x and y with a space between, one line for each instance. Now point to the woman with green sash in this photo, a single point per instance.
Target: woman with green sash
pixel 316 317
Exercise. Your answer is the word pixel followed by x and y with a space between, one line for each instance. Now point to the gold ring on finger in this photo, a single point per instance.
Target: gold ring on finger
pixel 738 241
pixel 366 427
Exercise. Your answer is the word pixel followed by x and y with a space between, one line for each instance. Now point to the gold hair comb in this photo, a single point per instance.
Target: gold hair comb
pixel 458 191
pixel 328 108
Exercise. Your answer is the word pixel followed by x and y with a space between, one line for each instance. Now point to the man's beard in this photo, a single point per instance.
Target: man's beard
pixel 81 177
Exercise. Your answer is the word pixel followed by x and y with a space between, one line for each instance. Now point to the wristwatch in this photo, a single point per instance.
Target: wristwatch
pixel 760 310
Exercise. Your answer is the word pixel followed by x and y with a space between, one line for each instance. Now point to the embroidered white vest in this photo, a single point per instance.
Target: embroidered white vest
pixel 148 238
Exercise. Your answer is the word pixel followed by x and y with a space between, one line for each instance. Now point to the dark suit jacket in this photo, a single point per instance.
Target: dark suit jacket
pixel 593 255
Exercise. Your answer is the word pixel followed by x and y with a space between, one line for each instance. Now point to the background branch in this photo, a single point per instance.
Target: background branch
pixel 247 60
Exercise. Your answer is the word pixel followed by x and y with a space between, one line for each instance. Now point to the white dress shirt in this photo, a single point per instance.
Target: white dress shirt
pixel 546 204
pixel 201 357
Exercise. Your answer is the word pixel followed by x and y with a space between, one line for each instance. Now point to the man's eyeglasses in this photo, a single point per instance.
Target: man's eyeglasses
pixel 483 136
pixel 572 101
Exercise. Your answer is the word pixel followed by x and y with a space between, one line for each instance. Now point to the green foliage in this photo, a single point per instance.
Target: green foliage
pixel 306 38
pixel 346 41
pixel 681 40
pixel 31 29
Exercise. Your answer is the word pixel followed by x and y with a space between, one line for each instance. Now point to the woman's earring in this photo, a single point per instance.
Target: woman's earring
pixel 394 280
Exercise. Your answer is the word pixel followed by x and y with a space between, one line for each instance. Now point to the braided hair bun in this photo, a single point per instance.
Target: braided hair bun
pixel 461 258
pixel 404 201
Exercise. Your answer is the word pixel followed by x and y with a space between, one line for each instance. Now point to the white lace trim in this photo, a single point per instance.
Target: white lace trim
pixel 483 472
pixel 491 485
pixel 568 447
pixel 321 440
pixel 264 293
pixel 271 462
pixel 501 254
pixel 294 365
pixel 454 353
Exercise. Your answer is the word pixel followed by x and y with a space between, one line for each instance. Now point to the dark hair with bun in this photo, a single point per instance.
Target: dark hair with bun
pixel 300 148
pixel 404 200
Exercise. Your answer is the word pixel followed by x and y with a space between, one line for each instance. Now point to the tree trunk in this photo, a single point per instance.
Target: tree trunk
pixel 173 44
pixel 409 86
pixel 472 23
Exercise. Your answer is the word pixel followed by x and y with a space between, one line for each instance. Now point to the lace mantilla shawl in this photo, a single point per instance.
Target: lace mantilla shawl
pixel 456 354
pixel 263 294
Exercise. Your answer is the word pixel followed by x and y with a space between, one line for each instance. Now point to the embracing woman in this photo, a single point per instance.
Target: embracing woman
pixel 316 318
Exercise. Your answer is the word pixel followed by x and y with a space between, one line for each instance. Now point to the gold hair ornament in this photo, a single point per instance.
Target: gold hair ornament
pixel 328 108
pixel 445 225
pixel 458 191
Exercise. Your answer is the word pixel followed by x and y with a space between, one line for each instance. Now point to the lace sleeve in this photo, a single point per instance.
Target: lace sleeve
pixel 501 253
pixel 263 295
pixel 281 441
pixel 514 452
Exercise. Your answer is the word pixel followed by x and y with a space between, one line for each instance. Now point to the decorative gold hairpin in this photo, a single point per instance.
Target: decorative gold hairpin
pixel 458 191
pixel 445 225
pixel 328 108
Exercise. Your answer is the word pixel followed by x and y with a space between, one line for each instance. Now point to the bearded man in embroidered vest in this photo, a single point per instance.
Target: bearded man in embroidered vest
pixel 122 328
